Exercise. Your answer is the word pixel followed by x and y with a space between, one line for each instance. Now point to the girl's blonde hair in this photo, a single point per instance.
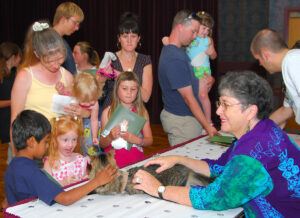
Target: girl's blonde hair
pixel 86 87
pixel 207 20
pixel 62 125
pixel 138 102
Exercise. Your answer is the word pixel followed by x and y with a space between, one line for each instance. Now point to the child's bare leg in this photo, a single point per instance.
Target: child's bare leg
pixel 4 203
pixel 204 98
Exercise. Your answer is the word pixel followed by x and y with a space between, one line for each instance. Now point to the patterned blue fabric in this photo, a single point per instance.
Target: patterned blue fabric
pixel 215 170
pixel 232 189
pixel 280 157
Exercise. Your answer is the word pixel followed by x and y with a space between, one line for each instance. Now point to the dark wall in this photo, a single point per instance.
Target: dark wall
pixel 276 13
pixel 99 26
pixel 239 21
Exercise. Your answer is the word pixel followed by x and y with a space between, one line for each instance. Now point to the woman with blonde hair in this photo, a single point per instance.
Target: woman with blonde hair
pixel 40 71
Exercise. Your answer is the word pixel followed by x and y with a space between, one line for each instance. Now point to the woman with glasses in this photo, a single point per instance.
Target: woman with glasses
pixel 40 72
pixel 259 172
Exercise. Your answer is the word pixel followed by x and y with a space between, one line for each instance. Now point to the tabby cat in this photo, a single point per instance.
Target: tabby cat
pixel 178 175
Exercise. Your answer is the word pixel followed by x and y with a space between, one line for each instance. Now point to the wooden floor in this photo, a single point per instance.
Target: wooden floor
pixel 160 142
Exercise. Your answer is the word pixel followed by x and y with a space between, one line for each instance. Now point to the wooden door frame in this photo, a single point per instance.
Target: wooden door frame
pixel 287 12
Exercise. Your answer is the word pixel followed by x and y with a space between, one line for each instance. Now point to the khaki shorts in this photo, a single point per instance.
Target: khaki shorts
pixel 180 128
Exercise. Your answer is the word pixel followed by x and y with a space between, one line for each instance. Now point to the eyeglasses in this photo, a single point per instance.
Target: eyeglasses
pixel 51 61
pixel 75 22
pixel 225 105
pixel 192 16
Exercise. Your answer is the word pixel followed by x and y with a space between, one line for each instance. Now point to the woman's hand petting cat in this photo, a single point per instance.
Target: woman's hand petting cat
pixel 164 162
pixel 146 182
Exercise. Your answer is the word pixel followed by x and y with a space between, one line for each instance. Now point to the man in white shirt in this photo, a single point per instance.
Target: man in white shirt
pixel 271 51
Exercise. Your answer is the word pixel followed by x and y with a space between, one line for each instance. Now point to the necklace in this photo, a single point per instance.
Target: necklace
pixel 127 60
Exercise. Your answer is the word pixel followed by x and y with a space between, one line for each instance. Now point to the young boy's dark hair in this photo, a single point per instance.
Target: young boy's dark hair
pixel 27 124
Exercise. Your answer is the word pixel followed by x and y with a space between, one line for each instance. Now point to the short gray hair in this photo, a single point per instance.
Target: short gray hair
pixel 47 42
pixel 249 89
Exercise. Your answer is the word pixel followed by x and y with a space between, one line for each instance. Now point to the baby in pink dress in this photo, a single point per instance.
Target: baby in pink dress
pixel 62 163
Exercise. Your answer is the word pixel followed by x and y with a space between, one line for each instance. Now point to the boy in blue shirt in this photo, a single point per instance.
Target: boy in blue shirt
pixel 24 179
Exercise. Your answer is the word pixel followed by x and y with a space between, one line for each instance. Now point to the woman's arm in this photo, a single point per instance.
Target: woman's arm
pixel 18 96
pixel 147 83
pixel 166 162
pixel 243 179
pixel 150 185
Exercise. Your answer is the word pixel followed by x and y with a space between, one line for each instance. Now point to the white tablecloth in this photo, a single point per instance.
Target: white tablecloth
pixel 135 206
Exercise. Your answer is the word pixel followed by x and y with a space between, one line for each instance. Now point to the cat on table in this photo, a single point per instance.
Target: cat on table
pixel 178 175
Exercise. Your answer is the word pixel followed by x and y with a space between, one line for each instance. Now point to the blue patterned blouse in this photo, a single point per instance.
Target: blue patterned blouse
pixel 259 172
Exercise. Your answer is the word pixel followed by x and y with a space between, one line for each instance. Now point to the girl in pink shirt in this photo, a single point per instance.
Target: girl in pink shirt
pixel 62 163
pixel 127 92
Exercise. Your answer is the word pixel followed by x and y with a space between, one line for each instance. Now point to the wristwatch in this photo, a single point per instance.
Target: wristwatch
pixel 161 189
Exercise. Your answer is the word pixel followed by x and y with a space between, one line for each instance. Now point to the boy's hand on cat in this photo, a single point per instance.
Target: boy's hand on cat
pixel 106 175
pixel 164 162
pixel 146 182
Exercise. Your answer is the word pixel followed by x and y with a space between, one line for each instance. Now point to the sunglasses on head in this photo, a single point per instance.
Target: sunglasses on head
pixel 191 16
